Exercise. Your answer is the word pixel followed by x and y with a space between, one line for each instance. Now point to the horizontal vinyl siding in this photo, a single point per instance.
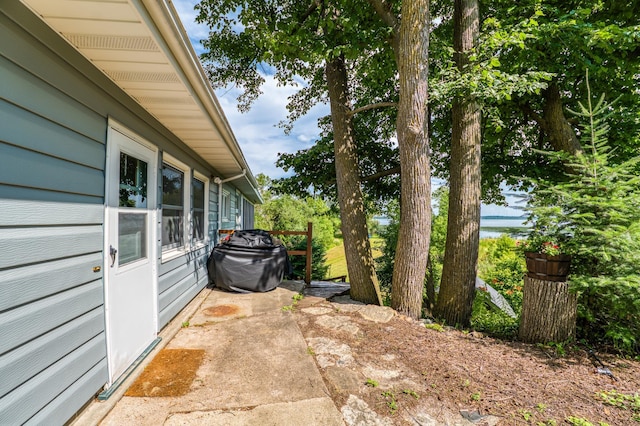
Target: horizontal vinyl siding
pixel 40 244
pixel 52 156
pixel 180 281
pixel 51 306
pixel 59 410
pixel 54 110
pixel 17 407
pixel 38 134
pixel 18 366
pixel 33 94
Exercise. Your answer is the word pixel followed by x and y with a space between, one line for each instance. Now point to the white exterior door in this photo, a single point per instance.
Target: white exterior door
pixel 130 249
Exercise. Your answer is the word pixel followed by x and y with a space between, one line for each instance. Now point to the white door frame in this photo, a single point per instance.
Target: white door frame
pixel 130 325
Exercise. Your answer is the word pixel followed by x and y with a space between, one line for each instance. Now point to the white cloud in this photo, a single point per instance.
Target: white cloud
pixel 256 131
pixel 195 31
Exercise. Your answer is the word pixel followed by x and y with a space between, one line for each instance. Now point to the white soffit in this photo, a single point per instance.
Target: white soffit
pixel 139 44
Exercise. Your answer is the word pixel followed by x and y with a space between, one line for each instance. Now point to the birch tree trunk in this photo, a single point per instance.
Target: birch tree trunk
pixel 457 288
pixel 362 275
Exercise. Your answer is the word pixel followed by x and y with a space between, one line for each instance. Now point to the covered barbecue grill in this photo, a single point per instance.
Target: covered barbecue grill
pixel 248 261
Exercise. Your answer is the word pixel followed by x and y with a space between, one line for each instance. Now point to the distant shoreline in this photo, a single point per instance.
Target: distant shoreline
pixel 491 226
pixel 503 218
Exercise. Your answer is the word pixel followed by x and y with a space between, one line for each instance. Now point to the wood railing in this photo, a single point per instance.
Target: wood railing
pixel 307 252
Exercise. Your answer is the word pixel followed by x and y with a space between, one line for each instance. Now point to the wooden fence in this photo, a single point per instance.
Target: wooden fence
pixel 307 252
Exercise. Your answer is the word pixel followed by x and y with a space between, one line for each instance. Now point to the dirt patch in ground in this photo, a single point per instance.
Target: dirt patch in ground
pixel 520 383
pixel 170 373
pixel 221 310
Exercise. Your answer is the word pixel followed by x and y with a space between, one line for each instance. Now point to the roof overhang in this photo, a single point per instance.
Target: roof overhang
pixel 142 46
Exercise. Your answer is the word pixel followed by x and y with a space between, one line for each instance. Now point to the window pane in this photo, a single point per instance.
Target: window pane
pixel 172 186
pixel 133 182
pixel 172 207
pixel 198 225
pixel 172 226
pixel 198 209
pixel 226 205
pixel 132 237
pixel 198 194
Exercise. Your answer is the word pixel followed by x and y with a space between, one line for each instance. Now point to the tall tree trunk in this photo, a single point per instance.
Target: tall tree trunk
pixel 362 275
pixel 412 54
pixel 561 134
pixel 457 289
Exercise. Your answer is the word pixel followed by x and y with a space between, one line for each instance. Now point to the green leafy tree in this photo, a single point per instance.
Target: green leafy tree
pixel 503 268
pixel 437 247
pixel 596 211
pixel 319 268
pixel 378 161
pixel 551 42
pixel 389 235
pixel 322 43
pixel 526 66
pixel 318 42
pixel 290 213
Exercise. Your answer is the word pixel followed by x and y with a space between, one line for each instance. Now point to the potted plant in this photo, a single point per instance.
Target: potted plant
pixel 546 258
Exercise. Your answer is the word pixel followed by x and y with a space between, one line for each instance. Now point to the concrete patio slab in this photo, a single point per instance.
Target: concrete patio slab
pixel 257 368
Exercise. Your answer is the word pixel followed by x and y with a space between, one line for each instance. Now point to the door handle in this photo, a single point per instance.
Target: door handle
pixel 112 253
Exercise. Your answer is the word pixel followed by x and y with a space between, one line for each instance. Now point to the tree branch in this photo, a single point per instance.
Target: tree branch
pixel 372 106
pixel 383 9
pixel 529 112
pixel 375 176
pixel 312 8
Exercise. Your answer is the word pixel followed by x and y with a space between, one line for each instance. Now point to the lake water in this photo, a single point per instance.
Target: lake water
pixel 494 226
pixel 490 226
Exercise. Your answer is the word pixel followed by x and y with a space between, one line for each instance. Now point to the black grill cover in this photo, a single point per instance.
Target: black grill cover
pixel 248 261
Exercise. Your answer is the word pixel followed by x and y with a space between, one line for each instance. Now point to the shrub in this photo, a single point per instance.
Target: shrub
pixel 318 268
pixel 503 268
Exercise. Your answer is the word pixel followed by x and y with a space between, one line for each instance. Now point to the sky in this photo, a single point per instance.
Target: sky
pixel 257 130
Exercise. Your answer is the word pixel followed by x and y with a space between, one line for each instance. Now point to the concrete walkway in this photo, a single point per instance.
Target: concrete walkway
pixel 256 369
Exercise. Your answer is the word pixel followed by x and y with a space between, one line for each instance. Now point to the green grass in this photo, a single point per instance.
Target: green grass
pixel 337 262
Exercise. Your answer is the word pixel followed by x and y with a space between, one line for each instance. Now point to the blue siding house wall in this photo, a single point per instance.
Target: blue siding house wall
pixel 56 109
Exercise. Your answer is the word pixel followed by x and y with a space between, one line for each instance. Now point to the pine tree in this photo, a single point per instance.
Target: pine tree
pixel 596 210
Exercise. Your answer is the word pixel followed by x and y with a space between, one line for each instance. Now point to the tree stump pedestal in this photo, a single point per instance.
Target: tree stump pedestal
pixel 548 311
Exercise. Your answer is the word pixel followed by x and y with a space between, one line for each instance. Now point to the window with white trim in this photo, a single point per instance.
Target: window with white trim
pixel 173 197
pixel 226 205
pixel 199 218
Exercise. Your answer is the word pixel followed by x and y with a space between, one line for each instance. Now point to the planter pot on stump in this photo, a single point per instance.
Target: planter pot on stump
pixel 547 268
pixel 548 307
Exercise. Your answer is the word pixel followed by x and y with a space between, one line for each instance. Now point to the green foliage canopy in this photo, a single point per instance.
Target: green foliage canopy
pixel 524 50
